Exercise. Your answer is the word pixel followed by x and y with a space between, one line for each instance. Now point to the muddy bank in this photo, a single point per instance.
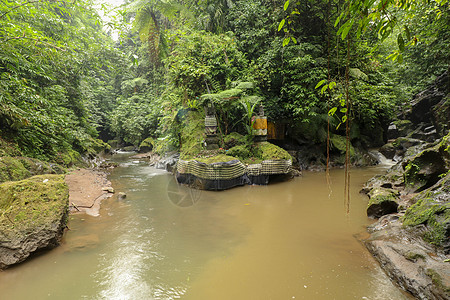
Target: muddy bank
pixel 87 189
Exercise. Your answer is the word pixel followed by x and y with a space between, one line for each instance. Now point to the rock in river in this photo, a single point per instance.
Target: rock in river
pixel 33 216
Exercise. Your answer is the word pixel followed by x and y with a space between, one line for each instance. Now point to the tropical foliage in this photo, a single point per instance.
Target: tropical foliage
pixel 65 83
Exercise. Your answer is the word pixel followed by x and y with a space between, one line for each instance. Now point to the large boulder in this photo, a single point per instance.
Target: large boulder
pixel 382 201
pixel 425 169
pixel 412 263
pixel 432 210
pixel 423 103
pixel 146 145
pixel 168 162
pixel 34 215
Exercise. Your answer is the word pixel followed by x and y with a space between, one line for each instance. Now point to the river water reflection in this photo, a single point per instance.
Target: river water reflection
pixel 289 240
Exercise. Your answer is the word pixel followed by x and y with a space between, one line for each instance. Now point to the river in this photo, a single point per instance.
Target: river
pixel 288 240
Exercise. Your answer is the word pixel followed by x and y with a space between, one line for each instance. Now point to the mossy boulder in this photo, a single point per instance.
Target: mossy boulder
pixel 114 143
pixel 388 150
pixel 339 143
pixel 432 209
pixel 269 151
pixel 424 169
pixel 9 149
pixel 69 158
pixel 18 168
pixel 382 201
pixel 12 169
pixel 234 139
pixel 242 152
pixel 146 145
pixel 33 216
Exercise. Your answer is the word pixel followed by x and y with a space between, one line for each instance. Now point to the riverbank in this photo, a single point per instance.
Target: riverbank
pixel 411 239
pixel 87 189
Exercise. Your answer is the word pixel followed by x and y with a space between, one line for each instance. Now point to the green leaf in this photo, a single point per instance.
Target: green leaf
pixel 332 84
pixel 407 32
pixel 286 41
pixel 281 24
pixel 320 83
pixel 343 110
pixel 294 40
pixel 348 25
pixel 286 4
pixel 324 88
pixel 332 111
pixel 344 119
pixel 338 19
pixel 400 42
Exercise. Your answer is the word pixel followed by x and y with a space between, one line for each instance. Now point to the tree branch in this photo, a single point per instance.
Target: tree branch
pixel 18 6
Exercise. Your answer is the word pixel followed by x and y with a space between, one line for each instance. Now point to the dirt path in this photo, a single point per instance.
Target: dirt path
pixel 87 188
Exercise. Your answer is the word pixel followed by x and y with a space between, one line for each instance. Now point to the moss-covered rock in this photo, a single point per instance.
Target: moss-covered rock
pixel 234 139
pixel 18 168
pixel 432 209
pixel 339 143
pixel 382 201
pixel 269 151
pixel 113 144
pixel 12 169
pixel 424 169
pixel 9 149
pixel 33 216
pixel 388 150
pixel 146 145
pixel 242 152
pixel 69 158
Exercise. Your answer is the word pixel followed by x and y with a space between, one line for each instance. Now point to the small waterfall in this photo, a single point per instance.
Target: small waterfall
pixel 380 158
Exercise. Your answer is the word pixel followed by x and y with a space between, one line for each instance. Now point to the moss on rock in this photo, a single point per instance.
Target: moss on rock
pixel 234 139
pixel 18 168
pixel 216 159
pixel 146 145
pixel 424 169
pixel 12 169
pixel 339 142
pixel 382 201
pixel 34 214
pixel 432 209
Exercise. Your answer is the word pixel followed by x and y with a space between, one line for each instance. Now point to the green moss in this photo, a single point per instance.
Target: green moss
pixel 69 158
pixel 234 139
pixel 339 142
pixel 32 202
pixel 413 256
pixel 436 215
pixel 12 169
pixel 242 152
pixel 437 280
pixel 9 149
pixel 379 195
pixel 215 159
pixel 148 142
pixel 268 151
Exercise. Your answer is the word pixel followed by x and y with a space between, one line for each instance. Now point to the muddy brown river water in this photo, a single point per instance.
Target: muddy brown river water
pixel 288 240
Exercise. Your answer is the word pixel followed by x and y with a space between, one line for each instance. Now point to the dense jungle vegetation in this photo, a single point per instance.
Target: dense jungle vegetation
pixel 66 86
